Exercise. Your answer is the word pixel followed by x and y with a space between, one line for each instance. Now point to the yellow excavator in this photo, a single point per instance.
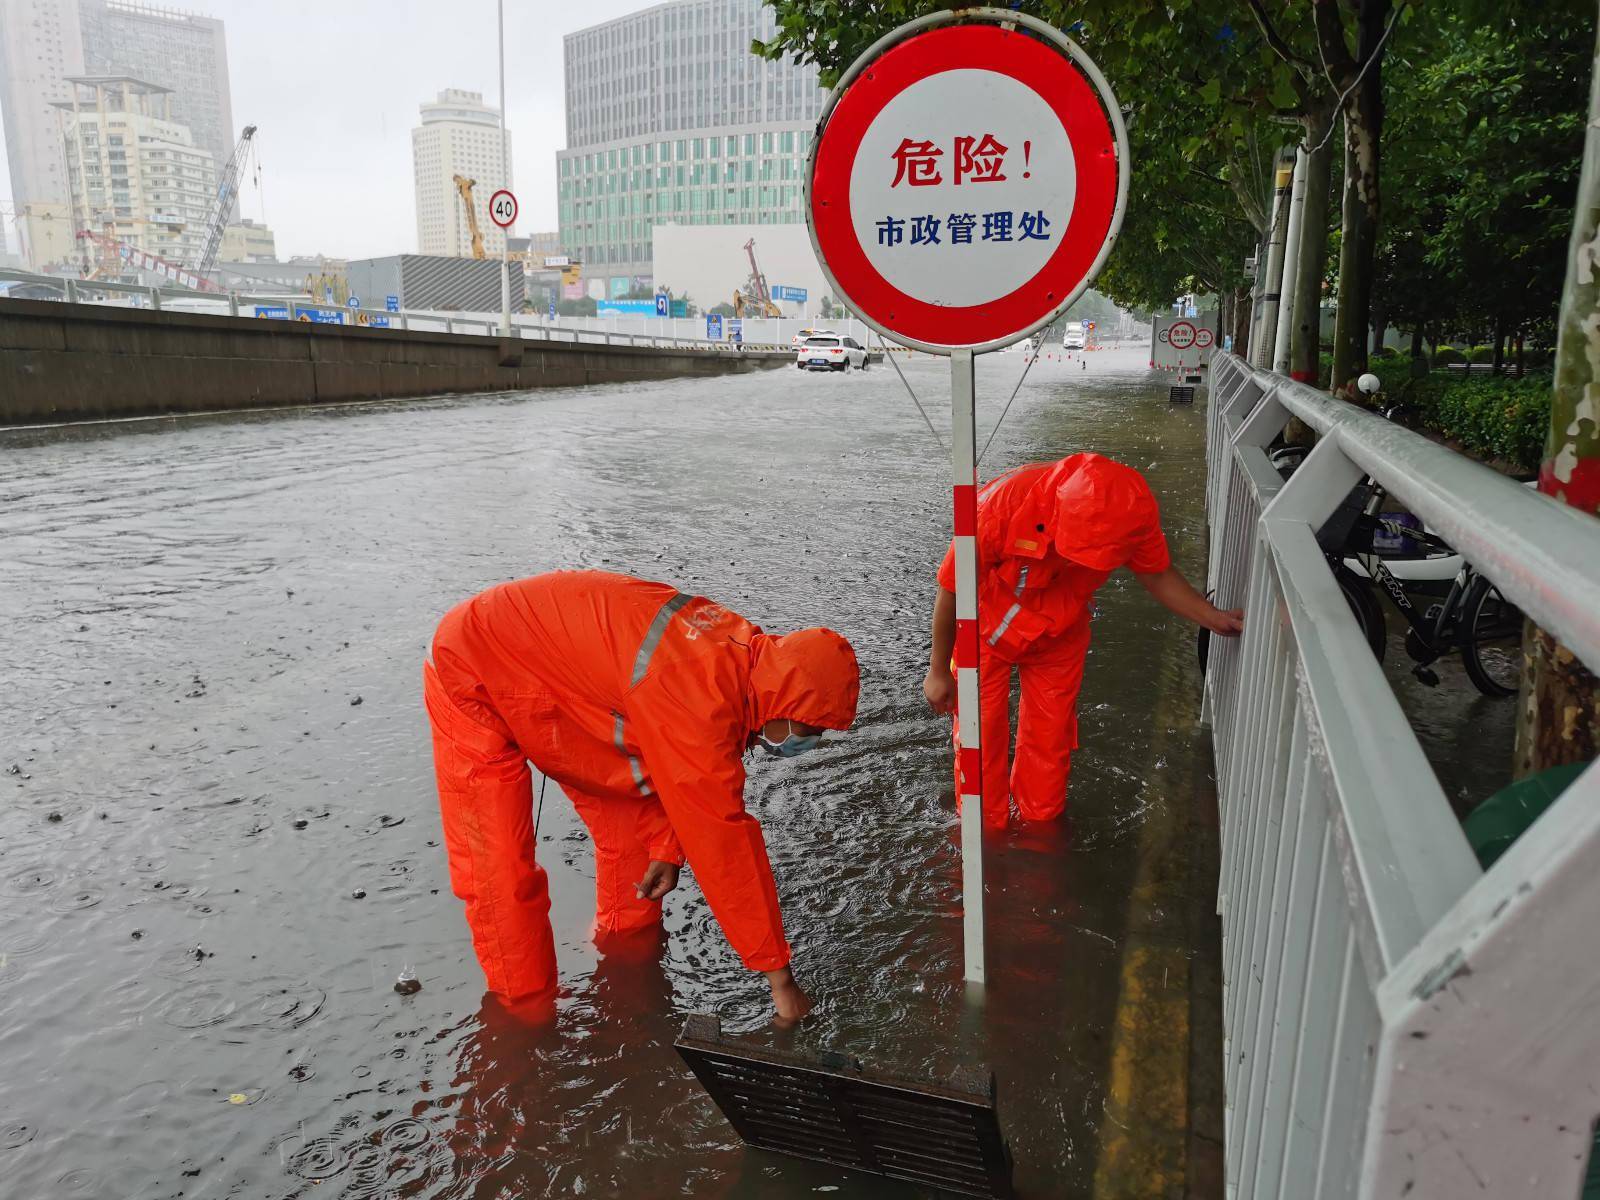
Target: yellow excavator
pixel 465 186
pixel 756 299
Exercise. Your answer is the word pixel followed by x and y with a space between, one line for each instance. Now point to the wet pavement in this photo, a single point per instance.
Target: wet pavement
pixel 219 844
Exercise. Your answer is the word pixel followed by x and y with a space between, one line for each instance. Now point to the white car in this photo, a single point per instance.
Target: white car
pixel 830 352
pixel 1073 338
pixel 799 339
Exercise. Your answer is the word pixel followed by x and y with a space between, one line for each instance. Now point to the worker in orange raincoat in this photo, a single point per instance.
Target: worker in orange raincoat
pixel 640 701
pixel 1048 536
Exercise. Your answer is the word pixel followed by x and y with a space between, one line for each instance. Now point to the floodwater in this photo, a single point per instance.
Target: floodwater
pixel 219 842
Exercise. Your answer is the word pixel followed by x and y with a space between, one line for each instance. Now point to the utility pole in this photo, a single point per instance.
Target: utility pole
pixel 1559 709
pixel 505 171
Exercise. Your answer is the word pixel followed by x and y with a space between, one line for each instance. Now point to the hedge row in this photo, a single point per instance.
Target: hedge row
pixel 1491 416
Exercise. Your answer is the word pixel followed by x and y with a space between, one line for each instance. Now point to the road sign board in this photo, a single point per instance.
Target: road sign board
pixel 790 293
pixel 1181 336
pixel 503 209
pixel 392 303
pixel 1203 337
pixel 552 306
pixel 354 301
pixel 277 312
pixel 661 306
pixel 714 327
pixel 965 189
pixel 378 322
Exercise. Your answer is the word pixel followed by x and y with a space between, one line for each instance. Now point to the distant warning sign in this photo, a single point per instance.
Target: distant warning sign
pixel 1182 343
pixel 967 183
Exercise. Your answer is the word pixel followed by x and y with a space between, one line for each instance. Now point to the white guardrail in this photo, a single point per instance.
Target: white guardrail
pixel 282 307
pixel 1397 1022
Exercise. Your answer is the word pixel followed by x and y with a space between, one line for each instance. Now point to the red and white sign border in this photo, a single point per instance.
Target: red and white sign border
pixel 1007 18
pixel 515 207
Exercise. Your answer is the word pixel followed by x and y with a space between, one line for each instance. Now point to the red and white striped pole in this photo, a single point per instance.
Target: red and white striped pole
pixel 969 761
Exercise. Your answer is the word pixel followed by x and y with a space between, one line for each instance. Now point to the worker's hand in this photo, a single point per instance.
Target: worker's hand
pixel 787 997
pixel 659 879
pixel 940 689
pixel 1227 622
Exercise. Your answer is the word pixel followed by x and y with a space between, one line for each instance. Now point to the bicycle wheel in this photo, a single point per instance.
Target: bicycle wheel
pixel 1491 641
pixel 1365 608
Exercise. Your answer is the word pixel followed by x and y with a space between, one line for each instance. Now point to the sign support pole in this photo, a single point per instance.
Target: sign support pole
pixel 969 761
pixel 505 170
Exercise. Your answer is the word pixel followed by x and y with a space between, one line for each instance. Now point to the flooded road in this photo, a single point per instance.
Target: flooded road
pixel 219 844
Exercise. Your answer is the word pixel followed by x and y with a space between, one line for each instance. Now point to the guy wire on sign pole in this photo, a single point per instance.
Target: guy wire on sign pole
pixel 505 172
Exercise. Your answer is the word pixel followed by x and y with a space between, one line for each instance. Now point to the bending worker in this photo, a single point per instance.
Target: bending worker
pixel 1048 536
pixel 640 702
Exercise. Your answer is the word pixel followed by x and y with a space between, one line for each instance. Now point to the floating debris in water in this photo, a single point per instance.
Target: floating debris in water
pixel 301 823
pixel 408 984
pixel 355 702
pixel 54 817
pixel 359 894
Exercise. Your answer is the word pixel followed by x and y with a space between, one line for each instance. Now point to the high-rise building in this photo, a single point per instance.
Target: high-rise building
pixel 183 52
pixel 671 119
pixel 41 46
pixel 248 241
pixel 46 43
pixel 459 135
pixel 134 174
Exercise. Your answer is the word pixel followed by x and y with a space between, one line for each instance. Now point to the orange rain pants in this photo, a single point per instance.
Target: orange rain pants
pixel 639 702
pixel 1048 536
pixel 1047 728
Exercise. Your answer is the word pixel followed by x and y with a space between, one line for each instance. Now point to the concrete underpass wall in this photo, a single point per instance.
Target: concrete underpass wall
pixel 65 362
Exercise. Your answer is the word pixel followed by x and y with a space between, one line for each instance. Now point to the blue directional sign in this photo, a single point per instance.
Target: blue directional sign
pixel 277 312
pixel 323 316
pixel 378 322
pixel 714 327
pixel 355 301
pixel 392 303
pixel 790 293
pixel 661 306
pixel 552 306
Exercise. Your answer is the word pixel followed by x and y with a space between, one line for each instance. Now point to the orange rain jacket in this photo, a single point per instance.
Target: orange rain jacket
pixel 639 701
pixel 1048 536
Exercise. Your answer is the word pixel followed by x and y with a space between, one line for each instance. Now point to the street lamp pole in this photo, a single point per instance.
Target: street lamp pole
pixel 505 170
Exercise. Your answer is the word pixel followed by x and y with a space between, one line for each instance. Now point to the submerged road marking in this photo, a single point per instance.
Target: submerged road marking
pixel 1144 1136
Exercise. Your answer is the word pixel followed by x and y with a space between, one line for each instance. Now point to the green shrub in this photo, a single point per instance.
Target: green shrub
pixel 1481 354
pixel 1385 352
pixel 1537 359
pixel 1448 356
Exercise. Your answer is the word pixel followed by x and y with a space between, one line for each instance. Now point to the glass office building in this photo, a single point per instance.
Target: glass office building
pixel 671 119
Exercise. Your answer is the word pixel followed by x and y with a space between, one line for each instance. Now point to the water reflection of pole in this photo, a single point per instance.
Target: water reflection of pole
pixel 969 761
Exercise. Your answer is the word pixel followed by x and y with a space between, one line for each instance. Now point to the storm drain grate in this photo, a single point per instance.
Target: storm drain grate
pixel 1178 394
pixel 826 1107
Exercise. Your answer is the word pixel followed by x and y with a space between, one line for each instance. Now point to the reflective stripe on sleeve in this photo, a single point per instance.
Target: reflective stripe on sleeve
pixel 654 634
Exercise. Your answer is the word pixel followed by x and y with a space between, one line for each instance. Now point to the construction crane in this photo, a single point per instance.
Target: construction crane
pixel 115 252
pixel 756 299
pixel 227 193
pixel 465 186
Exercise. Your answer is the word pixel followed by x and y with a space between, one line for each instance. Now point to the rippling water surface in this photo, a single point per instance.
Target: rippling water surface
pixel 219 836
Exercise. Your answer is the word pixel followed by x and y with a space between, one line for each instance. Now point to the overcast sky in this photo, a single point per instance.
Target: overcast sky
pixel 334 87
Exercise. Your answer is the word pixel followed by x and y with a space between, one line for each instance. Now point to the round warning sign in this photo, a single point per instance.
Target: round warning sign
pixel 503 208
pixel 968 180
pixel 1203 337
pixel 1181 336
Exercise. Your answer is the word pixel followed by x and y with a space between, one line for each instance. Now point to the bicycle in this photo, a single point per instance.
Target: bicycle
pixel 1363 545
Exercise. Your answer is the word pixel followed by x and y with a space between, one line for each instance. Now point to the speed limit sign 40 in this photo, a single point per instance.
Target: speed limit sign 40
pixel 503 208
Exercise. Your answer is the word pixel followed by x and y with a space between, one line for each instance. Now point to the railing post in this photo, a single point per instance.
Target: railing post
pixel 155 299
pixel 72 291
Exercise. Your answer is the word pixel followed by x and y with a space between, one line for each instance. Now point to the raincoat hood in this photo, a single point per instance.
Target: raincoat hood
pixel 809 675
pixel 1102 510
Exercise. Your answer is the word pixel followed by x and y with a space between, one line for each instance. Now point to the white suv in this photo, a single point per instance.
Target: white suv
pixel 799 339
pixel 830 352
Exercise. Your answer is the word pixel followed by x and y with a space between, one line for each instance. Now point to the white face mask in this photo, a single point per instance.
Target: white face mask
pixel 791 747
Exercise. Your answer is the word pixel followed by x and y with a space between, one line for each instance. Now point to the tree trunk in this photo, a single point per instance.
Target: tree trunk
pixel 1380 328
pixel 1417 349
pixel 1241 321
pixel 1363 128
pixel 1559 711
pixel 1305 340
pixel 1499 348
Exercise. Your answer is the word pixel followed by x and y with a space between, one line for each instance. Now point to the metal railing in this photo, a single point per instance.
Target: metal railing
pixel 1397 1021
pixel 241 304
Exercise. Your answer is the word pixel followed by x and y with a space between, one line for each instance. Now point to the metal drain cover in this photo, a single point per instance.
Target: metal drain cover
pixel 826 1107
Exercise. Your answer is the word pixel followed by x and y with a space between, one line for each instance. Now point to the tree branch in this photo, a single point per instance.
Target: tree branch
pixel 1275 40
pixel 1338 64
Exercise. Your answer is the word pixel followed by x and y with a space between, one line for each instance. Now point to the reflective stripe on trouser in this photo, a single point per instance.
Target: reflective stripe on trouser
pixel 485 802
pixel 1047 728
